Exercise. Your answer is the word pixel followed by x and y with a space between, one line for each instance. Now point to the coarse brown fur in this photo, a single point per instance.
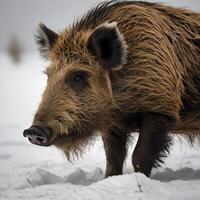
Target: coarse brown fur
pixel 160 81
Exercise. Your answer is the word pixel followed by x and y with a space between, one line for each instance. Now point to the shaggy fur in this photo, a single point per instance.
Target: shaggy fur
pixel 161 77
pixel 161 42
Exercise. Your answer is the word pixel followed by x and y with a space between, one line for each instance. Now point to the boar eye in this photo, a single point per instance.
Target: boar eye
pixel 78 77
pixel 78 80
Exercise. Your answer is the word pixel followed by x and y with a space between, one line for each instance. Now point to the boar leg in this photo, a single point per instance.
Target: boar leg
pixel 115 145
pixel 153 142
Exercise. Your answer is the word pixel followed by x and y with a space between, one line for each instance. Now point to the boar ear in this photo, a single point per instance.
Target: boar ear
pixel 45 38
pixel 107 44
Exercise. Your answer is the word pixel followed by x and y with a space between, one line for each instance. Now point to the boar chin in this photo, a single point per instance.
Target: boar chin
pixel 74 143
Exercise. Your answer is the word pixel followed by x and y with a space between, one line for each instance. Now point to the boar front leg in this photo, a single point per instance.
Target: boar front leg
pixel 153 143
pixel 115 145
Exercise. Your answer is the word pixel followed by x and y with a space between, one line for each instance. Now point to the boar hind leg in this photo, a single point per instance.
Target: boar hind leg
pixel 115 145
pixel 153 143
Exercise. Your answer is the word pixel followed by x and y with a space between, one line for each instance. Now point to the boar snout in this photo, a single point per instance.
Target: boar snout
pixel 39 134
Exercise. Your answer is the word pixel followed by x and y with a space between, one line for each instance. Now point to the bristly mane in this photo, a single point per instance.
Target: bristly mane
pixel 101 12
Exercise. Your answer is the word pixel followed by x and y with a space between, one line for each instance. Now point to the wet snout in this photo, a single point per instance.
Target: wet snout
pixel 39 134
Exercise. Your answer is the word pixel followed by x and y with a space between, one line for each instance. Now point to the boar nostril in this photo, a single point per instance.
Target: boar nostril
pixel 27 132
pixel 40 140
pixel 37 139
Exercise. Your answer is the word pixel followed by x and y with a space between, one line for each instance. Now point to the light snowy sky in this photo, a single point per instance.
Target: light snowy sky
pixel 20 17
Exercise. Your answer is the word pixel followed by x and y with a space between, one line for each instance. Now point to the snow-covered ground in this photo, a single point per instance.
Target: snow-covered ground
pixel 33 172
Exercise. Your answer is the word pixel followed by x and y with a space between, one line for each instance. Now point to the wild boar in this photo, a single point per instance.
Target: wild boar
pixel 125 66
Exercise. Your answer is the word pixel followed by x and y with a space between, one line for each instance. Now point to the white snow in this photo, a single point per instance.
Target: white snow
pixel 33 172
